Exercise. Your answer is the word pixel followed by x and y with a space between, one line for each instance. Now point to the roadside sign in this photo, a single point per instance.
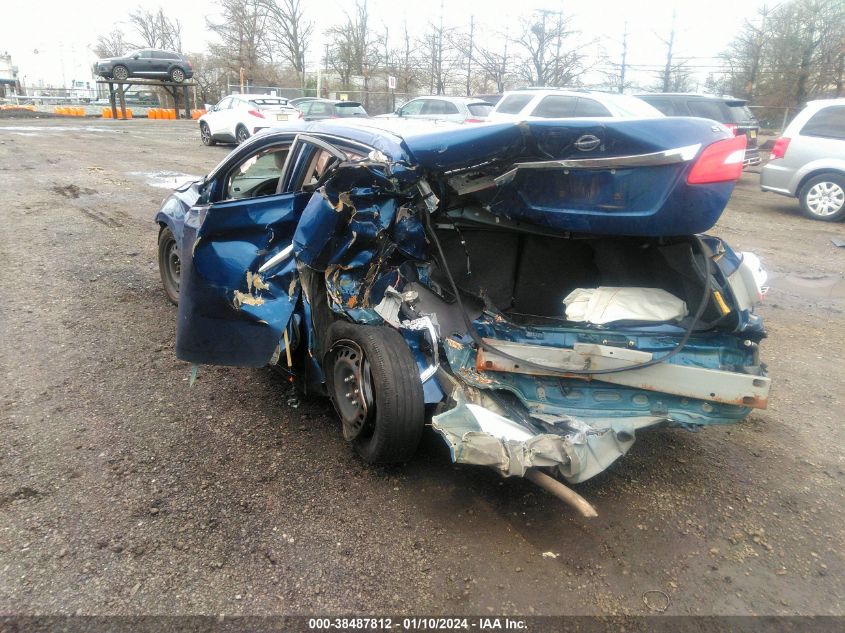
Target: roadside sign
pixel 391 83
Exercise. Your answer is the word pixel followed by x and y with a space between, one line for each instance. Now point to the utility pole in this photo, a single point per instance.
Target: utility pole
pixel 624 59
pixel 469 54
pixel 667 72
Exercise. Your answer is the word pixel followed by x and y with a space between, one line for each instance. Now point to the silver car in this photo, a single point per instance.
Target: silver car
pixel 457 109
pixel 808 161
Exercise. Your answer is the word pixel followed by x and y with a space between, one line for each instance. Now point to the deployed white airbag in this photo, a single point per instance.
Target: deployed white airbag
pixel 608 304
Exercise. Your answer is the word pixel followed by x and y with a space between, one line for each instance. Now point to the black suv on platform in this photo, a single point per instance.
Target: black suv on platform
pixel 731 112
pixel 148 63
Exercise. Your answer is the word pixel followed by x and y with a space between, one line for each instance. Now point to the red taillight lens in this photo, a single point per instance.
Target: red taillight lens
pixel 256 113
pixel 300 116
pixel 474 121
pixel 779 148
pixel 732 127
pixel 719 162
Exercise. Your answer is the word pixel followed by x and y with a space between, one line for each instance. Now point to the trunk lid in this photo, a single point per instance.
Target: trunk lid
pixel 586 176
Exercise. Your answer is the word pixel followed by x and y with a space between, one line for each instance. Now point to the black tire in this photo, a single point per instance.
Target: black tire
pixel 169 264
pixel 177 75
pixel 121 73
pixel 388 387
pixel 241 134
pixel 823 197
pixel 205 134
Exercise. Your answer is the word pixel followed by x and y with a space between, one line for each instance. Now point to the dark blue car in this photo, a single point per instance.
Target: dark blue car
pixel 537 292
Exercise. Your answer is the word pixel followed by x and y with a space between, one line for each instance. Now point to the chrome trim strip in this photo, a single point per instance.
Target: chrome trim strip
pixel 277 258
pixel 666 157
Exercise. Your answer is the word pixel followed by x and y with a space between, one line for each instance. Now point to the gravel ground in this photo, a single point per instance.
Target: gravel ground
pixel 124 491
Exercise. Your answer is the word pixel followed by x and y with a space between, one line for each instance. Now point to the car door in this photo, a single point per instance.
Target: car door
pixel 412 109
pixel 235 299
pixel 142 64
pixel 161 62
pixel 217 118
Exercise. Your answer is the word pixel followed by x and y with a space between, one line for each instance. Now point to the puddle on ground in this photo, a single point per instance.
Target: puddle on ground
pixel 164 179
pixel 809 285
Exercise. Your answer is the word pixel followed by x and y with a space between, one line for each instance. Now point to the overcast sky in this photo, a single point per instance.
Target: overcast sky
pixel 51 40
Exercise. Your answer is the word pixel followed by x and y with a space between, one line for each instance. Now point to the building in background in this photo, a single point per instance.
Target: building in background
pixel 9 83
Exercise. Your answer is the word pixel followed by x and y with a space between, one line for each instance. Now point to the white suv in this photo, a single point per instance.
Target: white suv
pixel 237 117
pixel 808 161
pixel 551 103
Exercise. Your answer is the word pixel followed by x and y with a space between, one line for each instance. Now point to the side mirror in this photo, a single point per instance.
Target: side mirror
pixel 136 57
pixel 398 111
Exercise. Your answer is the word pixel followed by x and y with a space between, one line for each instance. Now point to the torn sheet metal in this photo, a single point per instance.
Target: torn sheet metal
pixel 476 435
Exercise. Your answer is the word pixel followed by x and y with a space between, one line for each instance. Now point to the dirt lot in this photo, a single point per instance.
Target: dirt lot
pixel 124 491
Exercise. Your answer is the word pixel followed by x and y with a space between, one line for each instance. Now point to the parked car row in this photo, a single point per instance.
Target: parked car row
pixel 807 163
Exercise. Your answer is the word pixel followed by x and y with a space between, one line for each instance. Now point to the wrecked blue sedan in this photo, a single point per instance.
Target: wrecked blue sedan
pixel 538 292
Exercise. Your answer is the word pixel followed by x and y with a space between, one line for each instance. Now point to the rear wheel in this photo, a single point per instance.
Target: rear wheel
pixel 169 264
pixel 205 134
pixel 241 134
pixel 823 197
pixel 177 75
pixel 120 73
pixel 375 386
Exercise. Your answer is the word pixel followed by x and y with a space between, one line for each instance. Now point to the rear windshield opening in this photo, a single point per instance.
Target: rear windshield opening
pixel 512 104
pixel 740 113
pixel 479 109
pixel 350 109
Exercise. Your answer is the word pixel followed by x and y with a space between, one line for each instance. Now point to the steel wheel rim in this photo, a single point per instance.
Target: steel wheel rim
pixel 353 389
pixel 825 199
pixel 177 76
pixel 120 73
pixel 174 264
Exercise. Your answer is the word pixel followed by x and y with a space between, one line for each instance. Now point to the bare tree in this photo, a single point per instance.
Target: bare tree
pixel 112 44
pixel 290 32
pixel 550 60
pixel 354 51
pixel 156 30
pixel 243 41
pixel 437 62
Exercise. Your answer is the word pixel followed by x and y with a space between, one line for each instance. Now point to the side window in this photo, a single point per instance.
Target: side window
pixel 664 105
pixel 317 166
pixel 706 110
pixel 449 107
pixel 258 175
pixel 432 107
pixel 224 104
pixel 412 108
pixel 304 106
pixel 555 107
pixel 513 104
pixel 146 54
pixel 590 107
pixel 317 162
pixel 828 122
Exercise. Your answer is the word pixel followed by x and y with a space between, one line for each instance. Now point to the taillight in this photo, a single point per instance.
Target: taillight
pixel 779 148
pixel 256 113
pixel 300 115
pixel 732 127
pixel 474 121
pixel 719 162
